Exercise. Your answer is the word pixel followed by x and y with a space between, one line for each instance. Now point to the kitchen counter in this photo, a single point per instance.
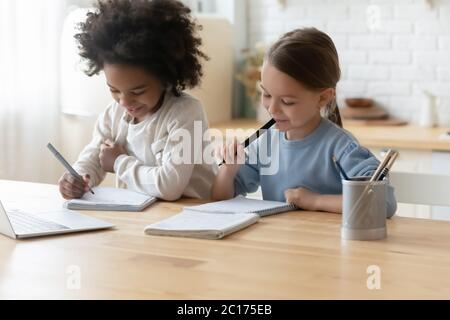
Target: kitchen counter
pixel 395 137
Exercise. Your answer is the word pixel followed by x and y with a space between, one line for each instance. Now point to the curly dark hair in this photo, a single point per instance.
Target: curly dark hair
pixel 158 35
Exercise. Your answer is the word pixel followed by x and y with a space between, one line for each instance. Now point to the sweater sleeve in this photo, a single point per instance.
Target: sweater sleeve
pixel 247 180
pixel 171 176
pixel 358 161
pixel 88 161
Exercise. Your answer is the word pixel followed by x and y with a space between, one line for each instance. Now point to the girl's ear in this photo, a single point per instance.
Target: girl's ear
pixel 326 96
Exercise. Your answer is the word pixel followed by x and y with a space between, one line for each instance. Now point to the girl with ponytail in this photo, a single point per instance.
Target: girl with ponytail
pixel 299 78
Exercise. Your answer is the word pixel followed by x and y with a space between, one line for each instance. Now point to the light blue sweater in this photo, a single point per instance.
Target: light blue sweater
pixel 306 163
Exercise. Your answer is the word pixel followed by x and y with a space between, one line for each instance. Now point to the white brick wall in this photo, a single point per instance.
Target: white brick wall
pixel 390 53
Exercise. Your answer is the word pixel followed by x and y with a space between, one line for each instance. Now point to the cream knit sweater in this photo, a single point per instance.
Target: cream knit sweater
pixel 148 166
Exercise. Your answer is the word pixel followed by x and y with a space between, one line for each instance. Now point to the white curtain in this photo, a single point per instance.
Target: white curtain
pixel 29 90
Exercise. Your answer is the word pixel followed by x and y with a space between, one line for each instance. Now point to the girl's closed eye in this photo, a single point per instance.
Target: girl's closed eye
pixel 134 93
pixel 138 93
pixel 288 102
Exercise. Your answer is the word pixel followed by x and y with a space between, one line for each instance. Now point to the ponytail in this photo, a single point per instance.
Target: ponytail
pixel 332 113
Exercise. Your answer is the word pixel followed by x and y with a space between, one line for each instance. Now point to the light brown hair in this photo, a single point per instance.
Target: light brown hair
pixel 310 57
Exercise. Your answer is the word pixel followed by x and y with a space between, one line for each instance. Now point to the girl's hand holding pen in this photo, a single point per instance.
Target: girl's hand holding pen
pixel 231 155
pixel 71 187
pixel 109 152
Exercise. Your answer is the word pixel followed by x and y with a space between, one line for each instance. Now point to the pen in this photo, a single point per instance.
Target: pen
pixel 255 136
pixel 338 165
pixel 65 163
pixel 376 175
pixel 389 165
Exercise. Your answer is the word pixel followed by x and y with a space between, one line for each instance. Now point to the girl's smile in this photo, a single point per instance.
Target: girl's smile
pixel 280 120
pixel 280 123
pixel 135 110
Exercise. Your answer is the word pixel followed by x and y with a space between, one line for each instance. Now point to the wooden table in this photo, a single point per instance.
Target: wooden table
pixel 297 255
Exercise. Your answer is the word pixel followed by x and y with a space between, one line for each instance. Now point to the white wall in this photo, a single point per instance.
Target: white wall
pixel 390 59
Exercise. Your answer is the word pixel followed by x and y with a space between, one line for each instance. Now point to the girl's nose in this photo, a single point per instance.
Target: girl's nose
pixel 125 101
pixel 273 107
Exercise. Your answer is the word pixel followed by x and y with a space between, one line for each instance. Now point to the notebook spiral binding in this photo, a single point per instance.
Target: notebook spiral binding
pixel 285 208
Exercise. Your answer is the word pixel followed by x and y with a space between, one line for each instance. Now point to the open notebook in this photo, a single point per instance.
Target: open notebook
pixel 111 199
pixel 217 219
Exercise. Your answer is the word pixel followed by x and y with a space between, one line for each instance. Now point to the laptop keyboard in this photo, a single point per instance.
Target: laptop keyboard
pixel 25 223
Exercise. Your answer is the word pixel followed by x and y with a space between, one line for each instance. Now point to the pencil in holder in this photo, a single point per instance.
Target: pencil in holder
pixel 364 209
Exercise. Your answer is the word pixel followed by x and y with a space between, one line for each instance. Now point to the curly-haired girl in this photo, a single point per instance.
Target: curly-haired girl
pixel 150 53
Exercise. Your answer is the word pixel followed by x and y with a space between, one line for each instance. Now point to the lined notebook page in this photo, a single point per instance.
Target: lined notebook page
pixel 111 197
pixel 242 204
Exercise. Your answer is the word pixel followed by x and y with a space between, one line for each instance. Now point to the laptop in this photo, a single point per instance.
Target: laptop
pixel 18 224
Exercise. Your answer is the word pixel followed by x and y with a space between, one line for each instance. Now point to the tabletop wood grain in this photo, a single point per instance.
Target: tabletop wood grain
pixel 295 255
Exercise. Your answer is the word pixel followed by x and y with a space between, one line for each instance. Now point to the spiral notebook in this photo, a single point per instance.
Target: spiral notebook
pixel 111 199
pixel 217 219
pixel 245 205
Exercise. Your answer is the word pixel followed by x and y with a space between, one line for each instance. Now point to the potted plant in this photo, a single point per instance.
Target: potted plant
pixel 250 77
